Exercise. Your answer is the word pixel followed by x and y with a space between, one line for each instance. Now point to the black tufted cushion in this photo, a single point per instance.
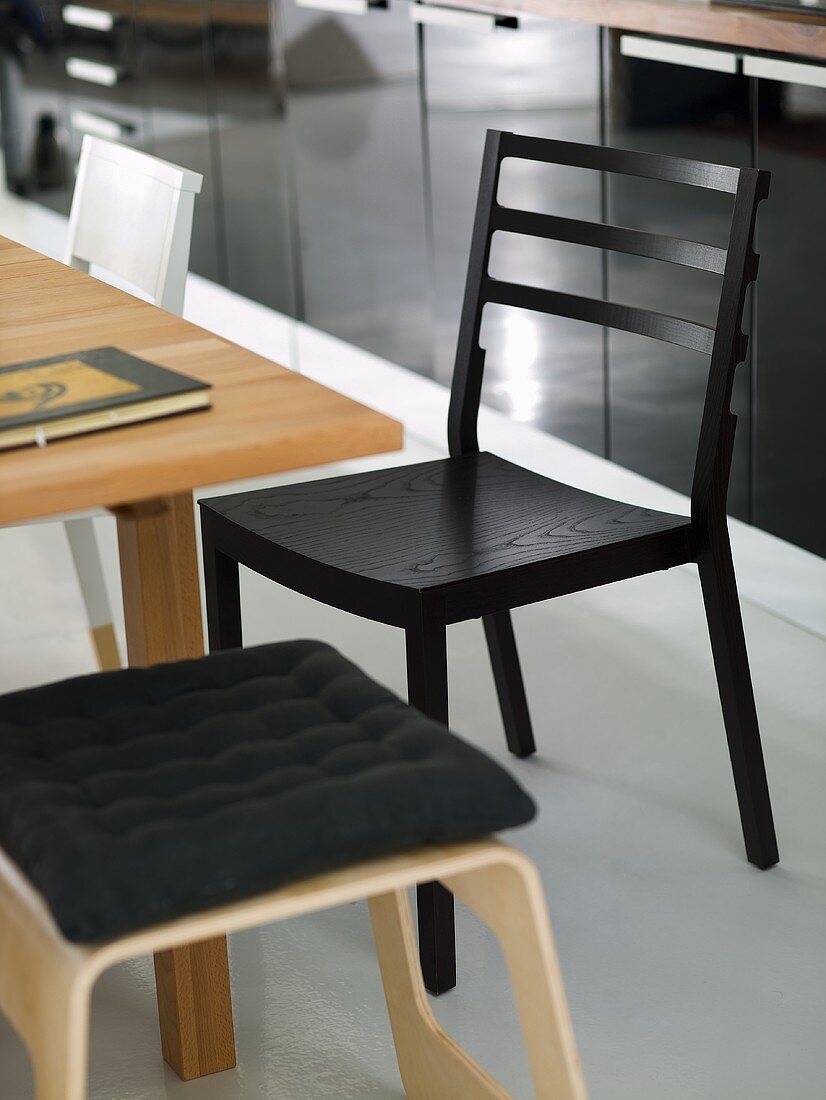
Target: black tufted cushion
pixel 133 797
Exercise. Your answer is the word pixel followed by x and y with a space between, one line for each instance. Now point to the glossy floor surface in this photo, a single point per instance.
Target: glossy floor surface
pixel 690 974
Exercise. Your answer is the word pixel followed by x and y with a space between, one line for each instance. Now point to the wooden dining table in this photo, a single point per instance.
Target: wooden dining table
pixel 264 419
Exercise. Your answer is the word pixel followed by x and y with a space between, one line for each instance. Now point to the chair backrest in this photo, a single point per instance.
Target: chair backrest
pixel 132 217
pixel 725 343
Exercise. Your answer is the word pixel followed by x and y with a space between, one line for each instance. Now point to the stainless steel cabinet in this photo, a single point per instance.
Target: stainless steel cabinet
pixel 790 398
pixel 691 103
pixel 173 80
pixel 101 61
pixel 355 141
pixel 249 104
pixel 541 78
pixel 33 103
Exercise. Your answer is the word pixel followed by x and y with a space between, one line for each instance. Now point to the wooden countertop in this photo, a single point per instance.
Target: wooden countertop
pixel 750 28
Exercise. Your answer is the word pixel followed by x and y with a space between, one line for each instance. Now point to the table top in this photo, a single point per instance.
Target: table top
pixel 264 418
pixel 798 33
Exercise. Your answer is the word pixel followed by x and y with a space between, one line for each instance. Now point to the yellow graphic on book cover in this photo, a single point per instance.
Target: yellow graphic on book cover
pixel 56 386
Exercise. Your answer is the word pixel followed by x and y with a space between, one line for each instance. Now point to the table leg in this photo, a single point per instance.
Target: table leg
pixel 162 605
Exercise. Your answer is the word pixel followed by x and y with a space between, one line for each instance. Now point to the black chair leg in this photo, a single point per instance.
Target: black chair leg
pixel 427 691
pixel 728 644
pixel 223 599
pixel 509 684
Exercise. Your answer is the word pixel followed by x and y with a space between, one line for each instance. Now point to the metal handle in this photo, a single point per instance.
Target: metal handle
pixel 80 68
pixel 91 19
pixel 87 122
pixel 693 57
pixel 792 72
pixel 435 16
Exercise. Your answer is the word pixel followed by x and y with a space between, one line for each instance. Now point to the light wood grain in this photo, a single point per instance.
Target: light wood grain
pixel 804 35
pixel 105 644
pixel 264 419
pixel 46 983
pixel 162 607
pixel 508 896
pixel 431 1064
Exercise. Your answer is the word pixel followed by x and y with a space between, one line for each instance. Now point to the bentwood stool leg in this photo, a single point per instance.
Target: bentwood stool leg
pixel 426 643
pixel 731 663
pixel 507 895
pixel 41 992
pixel 510 686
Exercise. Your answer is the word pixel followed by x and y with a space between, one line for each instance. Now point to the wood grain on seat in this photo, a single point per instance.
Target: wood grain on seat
pixel 434 524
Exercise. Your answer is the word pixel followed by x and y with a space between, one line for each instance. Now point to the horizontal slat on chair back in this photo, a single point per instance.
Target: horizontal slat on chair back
pixel 660 326
pixel 694 173
pixel 736 264
pixel 612 238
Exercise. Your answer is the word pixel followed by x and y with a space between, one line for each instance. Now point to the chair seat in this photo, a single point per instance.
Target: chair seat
pixel 443 523
pixel 133 797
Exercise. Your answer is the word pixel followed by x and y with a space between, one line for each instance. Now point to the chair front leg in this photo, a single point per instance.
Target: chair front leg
pixel 426 641
pixel 507 894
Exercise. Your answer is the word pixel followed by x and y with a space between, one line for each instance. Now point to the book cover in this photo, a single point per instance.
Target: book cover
pixel 87 390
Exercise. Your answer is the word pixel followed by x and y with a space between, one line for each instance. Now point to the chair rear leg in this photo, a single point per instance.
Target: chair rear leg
pixel 89 569
pixel 426 642
pixel 728 644
pixel 509 684
pixel 508 896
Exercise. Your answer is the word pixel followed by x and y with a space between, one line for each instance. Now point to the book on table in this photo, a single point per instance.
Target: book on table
pixel 86 391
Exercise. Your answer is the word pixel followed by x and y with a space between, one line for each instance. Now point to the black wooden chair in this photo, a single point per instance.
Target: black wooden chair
pixel 472 536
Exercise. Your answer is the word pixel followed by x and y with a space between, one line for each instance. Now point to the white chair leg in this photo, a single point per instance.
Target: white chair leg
pixel 89 568
pixel 509 897
pixel 431 1065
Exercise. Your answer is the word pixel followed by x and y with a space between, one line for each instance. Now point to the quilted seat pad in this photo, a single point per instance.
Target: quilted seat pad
pixel 133 797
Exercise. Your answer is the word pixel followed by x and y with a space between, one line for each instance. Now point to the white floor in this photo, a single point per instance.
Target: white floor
pixel 690 974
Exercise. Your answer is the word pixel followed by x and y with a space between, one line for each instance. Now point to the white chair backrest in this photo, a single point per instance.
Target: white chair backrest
pixel 132 217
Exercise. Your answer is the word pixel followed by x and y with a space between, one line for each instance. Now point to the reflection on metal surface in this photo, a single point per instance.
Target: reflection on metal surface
pixel 80 68
pixel 92 19
pixel 520 393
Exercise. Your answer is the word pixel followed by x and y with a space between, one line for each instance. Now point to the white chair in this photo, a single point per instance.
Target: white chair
pixel 131 221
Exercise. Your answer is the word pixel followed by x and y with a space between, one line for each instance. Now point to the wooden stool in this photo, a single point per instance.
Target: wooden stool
pixel 152 808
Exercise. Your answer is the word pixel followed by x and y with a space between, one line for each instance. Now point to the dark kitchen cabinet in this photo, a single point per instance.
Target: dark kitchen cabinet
pixel 540 78
pixel 355 139
pixel 101 58
pixel 174 81
pixel 790 398
pixel 33 101
pixel 684 106
pixel 249 103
